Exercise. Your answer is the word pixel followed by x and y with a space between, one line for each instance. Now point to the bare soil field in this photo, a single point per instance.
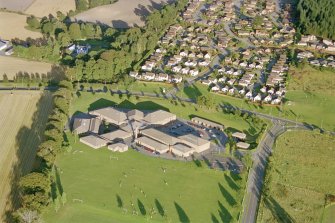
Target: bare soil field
pixel 12 65
pixel 41 8
pixel 12 26
pixel 123 13
pixel 23 116
pixel 15 5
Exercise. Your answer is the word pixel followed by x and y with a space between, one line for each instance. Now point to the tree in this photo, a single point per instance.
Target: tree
pixel 74 31
pixel 33 22
pixel 81 5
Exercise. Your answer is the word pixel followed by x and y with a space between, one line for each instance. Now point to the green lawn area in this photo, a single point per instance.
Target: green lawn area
pixel 88 101
pixel 311 98
pixel 329 214
pixel 300 174
pixel 102 186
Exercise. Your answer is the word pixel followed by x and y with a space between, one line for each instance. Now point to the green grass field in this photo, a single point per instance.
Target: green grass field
pixel 102 186
pixel 300 173
pixel 329 214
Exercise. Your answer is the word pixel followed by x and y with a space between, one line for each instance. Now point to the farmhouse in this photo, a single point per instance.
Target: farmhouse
pixel 93 141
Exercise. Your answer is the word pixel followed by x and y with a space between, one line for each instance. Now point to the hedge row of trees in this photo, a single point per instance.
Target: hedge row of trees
pixel 36 187
pixel 317 17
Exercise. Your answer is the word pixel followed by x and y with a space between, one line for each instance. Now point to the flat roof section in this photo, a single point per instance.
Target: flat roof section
pixel 115 135
pixel 182 148
pixel 160 117
pixel 207 123
pixel 243 145
pixel 93 141
pixel 239 135
pixel 160 136
pixel 152 144
pixel 195 140
pixel 111 115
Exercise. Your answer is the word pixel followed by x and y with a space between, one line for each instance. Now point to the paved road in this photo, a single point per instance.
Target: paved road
pixel 257 172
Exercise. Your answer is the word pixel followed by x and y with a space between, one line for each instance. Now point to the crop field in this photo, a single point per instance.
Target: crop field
pixel 15 5
pixel 12 65
pixel 122 14
pixel 101 186
pixel 41 8
pixel 300 174
pixel 12 25
pixel 22 119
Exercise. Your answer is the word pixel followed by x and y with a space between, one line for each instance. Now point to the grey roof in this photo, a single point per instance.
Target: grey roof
pixel 93 141
pixel 207 123
pixel 182 148
pixel 239 135
pixel 116 135
pixel 121 147
pixel 243 145
pixel 194 140
pixel 152 144
pixel 159 117
pixel 135 114
pixel 81 125
pixel 111 115
pixel 160 136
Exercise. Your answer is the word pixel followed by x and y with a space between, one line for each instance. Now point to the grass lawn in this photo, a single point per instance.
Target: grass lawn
pixel 102 186
pixel 329 214
pixel 300 173
pixel 88 101
pixel 311 98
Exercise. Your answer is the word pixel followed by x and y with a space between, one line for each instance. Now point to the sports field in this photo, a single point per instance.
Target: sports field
pixel 102 186
pixel 12 65
pixel 122 14
pixel 22 119
pixel 300 174
pixel 12 25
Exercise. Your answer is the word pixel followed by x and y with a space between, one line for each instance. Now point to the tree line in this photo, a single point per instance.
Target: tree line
pixel 317 17
pixel 36 187
pixel 82 5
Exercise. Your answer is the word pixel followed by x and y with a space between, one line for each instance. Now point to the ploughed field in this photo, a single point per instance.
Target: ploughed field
pixel 22 119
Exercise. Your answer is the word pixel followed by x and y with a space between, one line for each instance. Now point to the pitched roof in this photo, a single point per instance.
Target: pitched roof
pixel 152 144
pixel 111 115
pixel 116 135
pixel 160 136
pixel 159 116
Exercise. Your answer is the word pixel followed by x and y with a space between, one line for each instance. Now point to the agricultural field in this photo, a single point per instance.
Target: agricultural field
pixel 22 119
pixel 15 5
pixel 122 14
pixel 12 25
pixel 12 65
pixel 300 174
pixel 101 186
pixel 41 8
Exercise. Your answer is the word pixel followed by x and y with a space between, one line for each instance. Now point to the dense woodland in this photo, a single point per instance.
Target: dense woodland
pixel 317 17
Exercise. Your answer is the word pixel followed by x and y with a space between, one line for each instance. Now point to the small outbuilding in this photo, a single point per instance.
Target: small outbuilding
pixel 243 145
pixel 239 135
pixel 118 147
